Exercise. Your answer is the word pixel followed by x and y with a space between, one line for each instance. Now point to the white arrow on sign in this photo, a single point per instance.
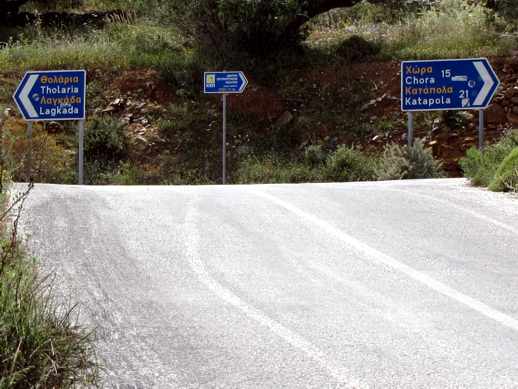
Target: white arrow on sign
pixel 488 83
pixel 24 95
pixel 244 80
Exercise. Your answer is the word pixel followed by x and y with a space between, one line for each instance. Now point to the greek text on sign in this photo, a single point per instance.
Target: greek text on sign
pixel 52 95
pixel 224 82
pixel 456 84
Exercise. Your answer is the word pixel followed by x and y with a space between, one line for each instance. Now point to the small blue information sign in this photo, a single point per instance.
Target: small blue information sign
pixel 52 95
pixel 224 82
pixel 452 84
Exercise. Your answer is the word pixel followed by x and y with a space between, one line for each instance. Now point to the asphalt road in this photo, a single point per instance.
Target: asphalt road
pixel 384 285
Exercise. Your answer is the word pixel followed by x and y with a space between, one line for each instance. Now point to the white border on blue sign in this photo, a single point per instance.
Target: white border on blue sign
pixel 498 83
pixel 245 83
pixel 52 71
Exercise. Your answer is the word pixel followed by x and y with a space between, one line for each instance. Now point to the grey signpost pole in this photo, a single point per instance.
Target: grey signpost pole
pixel 80 159
pixel 481 125
pixel 29 152
pixel 224 83
pixel 410 134
pixel 224 141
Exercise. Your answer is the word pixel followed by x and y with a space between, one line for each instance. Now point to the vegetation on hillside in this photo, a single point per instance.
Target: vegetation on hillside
pixel 290 39
pixel 148 123
pixel 343 164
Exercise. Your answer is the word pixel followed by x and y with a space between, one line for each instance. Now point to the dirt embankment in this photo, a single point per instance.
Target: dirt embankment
pixel 140 98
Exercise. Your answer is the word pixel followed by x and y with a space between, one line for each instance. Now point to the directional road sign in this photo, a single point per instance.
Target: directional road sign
pixel 52 95
pixel 224 82
pixel 451 84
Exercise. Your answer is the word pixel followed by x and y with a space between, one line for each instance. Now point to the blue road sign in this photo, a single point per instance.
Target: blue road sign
pixel 452 84
pixel 52 95
pixel 224 82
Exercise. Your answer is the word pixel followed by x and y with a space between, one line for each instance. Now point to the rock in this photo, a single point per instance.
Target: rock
pixel 8 112
pixel 368 105
pixel 54 127
pixel 108 109
pixel 285 119
pixel 495 114
pixel 127 118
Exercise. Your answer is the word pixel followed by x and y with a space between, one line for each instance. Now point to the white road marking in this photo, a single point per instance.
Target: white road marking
pixel 192 241
pixel 373 253
pixel 460 208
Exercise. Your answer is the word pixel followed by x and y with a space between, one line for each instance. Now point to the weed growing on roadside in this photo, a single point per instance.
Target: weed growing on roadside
pixel 40 343
pixel 506 177
pixel 481 167
pixel 403 162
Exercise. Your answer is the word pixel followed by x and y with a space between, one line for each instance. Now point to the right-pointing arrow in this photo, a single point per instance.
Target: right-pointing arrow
pixel 488 83
pixel 24 95
pixel 243 80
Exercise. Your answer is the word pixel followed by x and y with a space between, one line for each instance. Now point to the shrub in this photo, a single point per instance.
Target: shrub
pixel 42 158
pixel 481 167
pixel 403 162
pixel 105 139
pixel 349 164
pixel 268 170
pixel 506 176
pixel 314 155
pixel 106 145
pixel 450 28
pixel 508 9
pixel 356 49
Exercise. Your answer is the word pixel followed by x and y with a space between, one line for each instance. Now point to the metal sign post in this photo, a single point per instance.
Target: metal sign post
pixel 410 134
pixel 54 95
pixel 80 159
pixel 447 84
pixel 481 128
pixel 224 145
pixel 224 83
pixel 29 152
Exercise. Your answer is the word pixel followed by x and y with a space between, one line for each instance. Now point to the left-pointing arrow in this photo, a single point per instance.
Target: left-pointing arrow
pixel 24 96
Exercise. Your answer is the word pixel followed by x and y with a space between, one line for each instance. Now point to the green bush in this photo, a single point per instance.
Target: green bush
pixel 314 155
pixel 270 170
pixel 481 167
pixel 42 158
pixel 506 176
pixel 403 162
pixel 357 49
pixel 367 13
pixel 508 9
pixel 223 26
pixel 349 164
pixel 105 140
pixel 451 28
pixel 106 145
